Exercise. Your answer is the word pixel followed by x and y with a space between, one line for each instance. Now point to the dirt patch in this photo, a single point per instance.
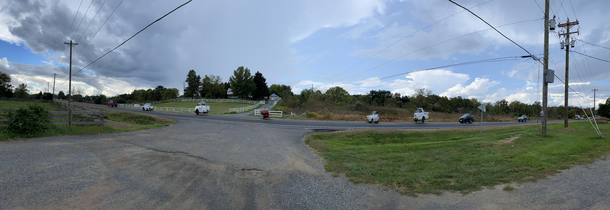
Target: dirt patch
pixel 509 140
pixel 568 129
pixel 117 124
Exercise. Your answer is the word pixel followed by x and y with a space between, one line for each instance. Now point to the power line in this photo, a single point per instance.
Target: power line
pixel 98 30
pixel 590 56
pixel 593 44
pixel 421 29
pixel 70 31
pixel 490 26
pixel 81 20
pixel 134 35
pixel 573 10
pixel 509 58
pixel 98 11
pixel 430 46
pixel 564 9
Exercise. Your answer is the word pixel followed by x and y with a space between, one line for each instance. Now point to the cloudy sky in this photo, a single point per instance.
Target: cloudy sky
pixel 358 45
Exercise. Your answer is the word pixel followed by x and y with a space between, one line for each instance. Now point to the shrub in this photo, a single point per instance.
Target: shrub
pixel 359 106
pixel 311 114
pixel 28 120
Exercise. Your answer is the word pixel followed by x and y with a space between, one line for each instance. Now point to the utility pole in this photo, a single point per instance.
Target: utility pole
pixel 566 44
pixel 545 85
pixel 54 74
pixel 594 100
pixel 70 85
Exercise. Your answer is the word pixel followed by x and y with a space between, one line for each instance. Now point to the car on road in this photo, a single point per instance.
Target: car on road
pixel 523 118
pixel 147 107
pixel 112 103
pixel 420 115
pixel 577 117
pixel 374 117
pixel 466 118
pixel 202 108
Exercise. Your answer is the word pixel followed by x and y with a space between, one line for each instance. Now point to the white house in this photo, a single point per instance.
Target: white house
pixel 274 97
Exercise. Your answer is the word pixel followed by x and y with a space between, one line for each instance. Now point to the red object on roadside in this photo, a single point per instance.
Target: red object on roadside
pixel 264 114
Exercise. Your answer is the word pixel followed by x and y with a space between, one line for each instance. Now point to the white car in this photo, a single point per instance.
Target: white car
pixel 420 115
pixel 374 117
pixel 147 107
pixel 202 108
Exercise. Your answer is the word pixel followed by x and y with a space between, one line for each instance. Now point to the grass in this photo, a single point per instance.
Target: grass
pixel 50 106
pixel 118 121
pixel 215 107
pixel 457 160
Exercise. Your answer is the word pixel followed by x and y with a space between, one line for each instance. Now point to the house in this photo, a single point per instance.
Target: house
pixel 230 93
pixel 274 97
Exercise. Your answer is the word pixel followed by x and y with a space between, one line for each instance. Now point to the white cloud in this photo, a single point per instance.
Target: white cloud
pixel 476 89
pixel 4 63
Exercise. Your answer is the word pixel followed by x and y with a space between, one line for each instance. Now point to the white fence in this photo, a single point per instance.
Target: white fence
pixel 271 113
pixel 221 101
pixel 248 108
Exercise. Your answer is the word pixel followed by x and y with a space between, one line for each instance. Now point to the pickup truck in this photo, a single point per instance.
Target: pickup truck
pixel 202 108
pixel 420 115
pixel 112 103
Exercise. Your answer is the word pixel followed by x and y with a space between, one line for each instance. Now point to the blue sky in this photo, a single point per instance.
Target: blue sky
pixel 305 43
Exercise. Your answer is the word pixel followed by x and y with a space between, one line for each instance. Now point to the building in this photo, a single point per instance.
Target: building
pixel 274 97
pixel 230 93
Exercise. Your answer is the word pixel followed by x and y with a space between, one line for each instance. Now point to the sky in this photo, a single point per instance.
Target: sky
pixel 395 45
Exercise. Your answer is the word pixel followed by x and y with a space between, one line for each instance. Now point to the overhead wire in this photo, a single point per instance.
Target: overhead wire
pixel 589 43
pixel 573 10
pixel 589 56
pixel 92 19
pixel 430 46
pixel 421 29
pixel 509 58
pixel 70 31
pixel 81 69
pixel 98 30
pixel 84 16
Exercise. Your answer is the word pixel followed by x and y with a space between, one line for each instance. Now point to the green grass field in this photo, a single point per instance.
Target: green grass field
pixel 458 160
pixel 117 121
pixel 215 107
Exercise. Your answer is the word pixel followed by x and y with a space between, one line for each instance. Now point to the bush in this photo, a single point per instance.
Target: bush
pixel 28 120
pixel 311 114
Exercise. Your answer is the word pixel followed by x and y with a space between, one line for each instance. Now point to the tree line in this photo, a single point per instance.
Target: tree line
pixel 242 84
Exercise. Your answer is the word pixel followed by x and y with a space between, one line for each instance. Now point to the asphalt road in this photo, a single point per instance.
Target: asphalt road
pixel 311 124
pixel 214 162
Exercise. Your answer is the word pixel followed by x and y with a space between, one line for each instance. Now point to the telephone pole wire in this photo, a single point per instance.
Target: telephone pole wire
pixel 594 100
pixel 567 44
pixel 70 85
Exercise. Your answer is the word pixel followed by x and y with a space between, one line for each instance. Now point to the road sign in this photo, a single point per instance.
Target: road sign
pixel 482 107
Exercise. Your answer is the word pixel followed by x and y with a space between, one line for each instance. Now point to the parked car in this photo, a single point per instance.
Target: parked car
pixel 523 118
pixel 466 118
pixel 202 108
pixel 147 107
pixel 374 117
pixel 112 103
pixel 420 115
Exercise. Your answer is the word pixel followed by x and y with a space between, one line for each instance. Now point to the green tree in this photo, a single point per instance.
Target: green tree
pixel 157 93
pixel 281 90
pixel 194 81
pixel 5 85
pixel 262 90
pixel 604 109
pixel 101 99
pixel 61 95
pixel 242 83
pixel 171 93
pixel 336 94
pixel 22 91
pixel 39 95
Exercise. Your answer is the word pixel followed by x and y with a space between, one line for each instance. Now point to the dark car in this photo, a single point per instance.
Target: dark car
pixel 112 103
pixel 523 118
pixel 467 118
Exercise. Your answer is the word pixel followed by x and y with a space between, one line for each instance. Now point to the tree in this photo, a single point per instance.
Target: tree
pixel 171 93
pixel 39 95
pixel 281 90
pixel 100 99
pixel 61 95
pixel 22 91
pixel 5 85
pixel 157 93
pixel 242 83
pixel 336 94
pixel 261 86
pixel 194 81
pixel 604 109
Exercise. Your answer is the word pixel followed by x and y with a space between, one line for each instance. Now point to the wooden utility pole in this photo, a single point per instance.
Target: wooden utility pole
pixel 567 25
pixel 594 100
pixel 54 75
pixel 545 85
pixel 70 85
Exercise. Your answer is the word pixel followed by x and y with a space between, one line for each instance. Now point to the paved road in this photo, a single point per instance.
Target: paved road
pixel 208 162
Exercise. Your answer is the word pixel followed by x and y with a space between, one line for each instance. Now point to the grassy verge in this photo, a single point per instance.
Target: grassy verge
pixel 432 161
pixel 215 107
pixel 117 121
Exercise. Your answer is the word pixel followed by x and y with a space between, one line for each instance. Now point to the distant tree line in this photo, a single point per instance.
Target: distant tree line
pixel 242 84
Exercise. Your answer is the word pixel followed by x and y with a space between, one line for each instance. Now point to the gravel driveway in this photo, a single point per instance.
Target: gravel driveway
pixel 211 164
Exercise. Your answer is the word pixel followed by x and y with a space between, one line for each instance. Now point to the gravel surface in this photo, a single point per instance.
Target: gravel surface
pixel 199 163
